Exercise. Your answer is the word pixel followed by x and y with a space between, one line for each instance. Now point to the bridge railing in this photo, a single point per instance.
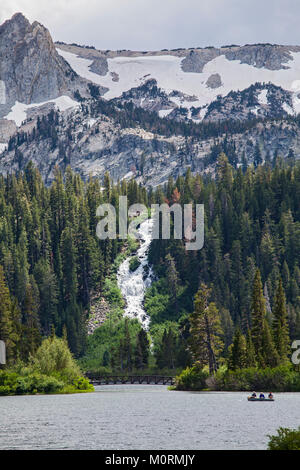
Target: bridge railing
pixel 130 379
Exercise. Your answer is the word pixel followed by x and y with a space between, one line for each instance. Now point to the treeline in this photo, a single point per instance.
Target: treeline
pixel 127 115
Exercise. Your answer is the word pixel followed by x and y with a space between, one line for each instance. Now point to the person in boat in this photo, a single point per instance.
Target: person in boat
pixel 253 395
pixel 270 396
pixel 261 396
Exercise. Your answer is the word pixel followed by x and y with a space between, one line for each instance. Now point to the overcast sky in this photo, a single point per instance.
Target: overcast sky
pixel 158 24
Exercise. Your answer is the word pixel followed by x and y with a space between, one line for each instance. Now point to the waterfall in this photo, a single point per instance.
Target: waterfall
pixel 133 284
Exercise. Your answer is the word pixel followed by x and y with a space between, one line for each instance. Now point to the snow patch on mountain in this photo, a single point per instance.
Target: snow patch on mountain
pixel 91 122
pixel 164 112
pixel 166 69
pixel 18 111
pixel 262 97
pixel 2 147
pixel 2 92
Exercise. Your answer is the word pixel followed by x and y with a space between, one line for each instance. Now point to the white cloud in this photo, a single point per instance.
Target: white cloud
pixel 157 24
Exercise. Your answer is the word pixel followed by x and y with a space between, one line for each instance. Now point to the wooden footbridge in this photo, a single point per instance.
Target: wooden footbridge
pixel 130 379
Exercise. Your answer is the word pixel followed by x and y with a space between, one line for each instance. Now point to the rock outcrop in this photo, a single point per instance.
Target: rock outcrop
pixel 98 313
pixel 197 59
pixel 214 81
pixel 31 69
pixel 268 56
pixel 99 66
pixel 147 96
pixel 96 145
pixel 258 101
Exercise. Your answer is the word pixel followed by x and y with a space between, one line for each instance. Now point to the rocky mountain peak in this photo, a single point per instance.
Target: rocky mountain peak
pixel 18 22
pixel 31 69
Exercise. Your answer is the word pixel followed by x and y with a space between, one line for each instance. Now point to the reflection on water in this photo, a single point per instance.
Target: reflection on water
pixel 143 417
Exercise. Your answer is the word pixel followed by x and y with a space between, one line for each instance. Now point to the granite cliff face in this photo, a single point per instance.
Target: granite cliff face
pixel 268 56
pixel 94 145
pixel 31 70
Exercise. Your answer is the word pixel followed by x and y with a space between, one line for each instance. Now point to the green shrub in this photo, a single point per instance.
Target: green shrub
pixel 133 245
pixel 278 379
pixel 51 370
pixel 112 293
pixel 8 379
pixel 134 263
pixel 192 378
pixel 287 439
pixel 5 390
pixel 37 383
pixel 81 383
pixel 28 384
pixel 54 356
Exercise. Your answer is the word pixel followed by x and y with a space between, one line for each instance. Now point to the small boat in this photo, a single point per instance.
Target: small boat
pixel 260 399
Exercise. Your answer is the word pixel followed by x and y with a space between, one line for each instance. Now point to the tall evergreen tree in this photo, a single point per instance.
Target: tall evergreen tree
pixel 205 340
pixel 258 313
pixel 268 357
pixel 142 350
pixel 7 333
pixel 238 351
pixel 250 351
pixel 280 324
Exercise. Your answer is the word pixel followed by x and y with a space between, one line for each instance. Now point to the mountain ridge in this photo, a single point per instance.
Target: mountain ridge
pixel 147 115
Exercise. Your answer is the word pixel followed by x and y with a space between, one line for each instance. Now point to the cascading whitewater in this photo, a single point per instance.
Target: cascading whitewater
pixel 133 284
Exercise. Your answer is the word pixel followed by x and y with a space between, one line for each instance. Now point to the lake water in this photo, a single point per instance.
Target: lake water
pixel 143 417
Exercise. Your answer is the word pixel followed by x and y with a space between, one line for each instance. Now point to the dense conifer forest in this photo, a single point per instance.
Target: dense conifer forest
pixel 242 289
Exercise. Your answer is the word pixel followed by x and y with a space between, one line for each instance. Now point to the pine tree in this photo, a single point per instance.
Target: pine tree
pixel 170 349
pixel 227 327
pixel 48 293
pixel 6 322
pixel 160 354
pixel 173 280
pixel 258 313
pixel 142 350
pixel 280 324
pixel 205 340
pixel 69 266
pixel 22 268
pixel 31 338
pixel 257 160
pixel 250 351
pixel 167 351
pixel 268 357
pixel 238 351
pixel 127 348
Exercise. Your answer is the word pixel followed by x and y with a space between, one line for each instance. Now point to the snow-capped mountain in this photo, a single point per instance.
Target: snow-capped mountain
pixel 193 79
pixel 196 84
pixel 147 115
pixel 32 73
